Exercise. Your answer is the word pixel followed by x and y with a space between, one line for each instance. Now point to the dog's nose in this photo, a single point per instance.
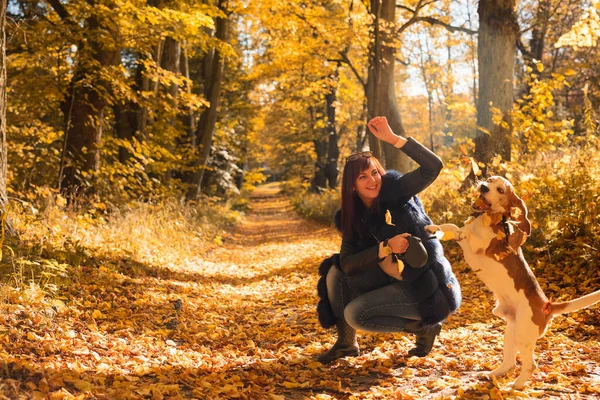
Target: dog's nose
pixel 484 188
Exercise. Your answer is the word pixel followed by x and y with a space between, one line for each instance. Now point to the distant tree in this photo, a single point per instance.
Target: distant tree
pixel 3 148
pixel 213 67
pixel 85 102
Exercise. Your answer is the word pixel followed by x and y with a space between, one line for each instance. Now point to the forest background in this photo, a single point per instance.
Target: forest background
pixel 163 115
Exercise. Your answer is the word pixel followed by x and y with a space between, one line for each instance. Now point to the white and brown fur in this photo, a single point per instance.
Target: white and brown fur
pixel 500 264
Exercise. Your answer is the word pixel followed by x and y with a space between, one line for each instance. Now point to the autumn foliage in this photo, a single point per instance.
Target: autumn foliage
pixel 172 171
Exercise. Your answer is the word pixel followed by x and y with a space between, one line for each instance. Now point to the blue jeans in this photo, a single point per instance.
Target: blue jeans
pixel 371 301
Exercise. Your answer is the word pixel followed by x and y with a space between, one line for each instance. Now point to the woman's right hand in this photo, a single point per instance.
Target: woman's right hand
pixel 398 243
pixel 380 127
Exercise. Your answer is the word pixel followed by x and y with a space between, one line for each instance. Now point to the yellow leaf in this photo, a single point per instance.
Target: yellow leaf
pixel 515 212
pixel 540 67
pixel 97 314
pixel 388 218
pixel 400 266
pixel 82 385
pixel 476 169
pixel 449 235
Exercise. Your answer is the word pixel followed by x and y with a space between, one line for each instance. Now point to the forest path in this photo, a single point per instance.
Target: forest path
pixel 240 322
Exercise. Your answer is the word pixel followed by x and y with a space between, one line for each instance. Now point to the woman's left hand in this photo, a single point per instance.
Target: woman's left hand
pixel 398 243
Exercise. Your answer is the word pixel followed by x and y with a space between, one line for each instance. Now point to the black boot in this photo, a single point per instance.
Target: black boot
pixel 346 344
pixel 425 337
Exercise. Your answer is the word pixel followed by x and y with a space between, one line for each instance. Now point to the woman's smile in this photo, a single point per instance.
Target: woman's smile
pixel 368 185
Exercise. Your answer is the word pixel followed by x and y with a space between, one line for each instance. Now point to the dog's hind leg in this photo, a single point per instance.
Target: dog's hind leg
pixel 510 350
pixel 526 348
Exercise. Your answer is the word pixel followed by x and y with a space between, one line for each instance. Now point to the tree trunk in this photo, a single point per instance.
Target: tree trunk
pixel 388 104
pixel 333 151
pixel 83 111
pixel 498 31
pixel 3 147
pixel 146 86
pixel 373 85
pixel 125 126
pixel 171 62
pixel 190 121
pixel 208 117
pixel 380 88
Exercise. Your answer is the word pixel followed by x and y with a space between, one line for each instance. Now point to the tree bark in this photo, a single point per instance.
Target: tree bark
pixel 498 30
pixel 388 103
pixel 191 120
pixel 3 147
pixel 208 117
pixel 381 92
pixel 83 110
pixel 172 62
pixel 333 151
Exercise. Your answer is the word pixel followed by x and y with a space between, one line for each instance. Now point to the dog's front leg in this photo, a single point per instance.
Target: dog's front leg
pixel 448 231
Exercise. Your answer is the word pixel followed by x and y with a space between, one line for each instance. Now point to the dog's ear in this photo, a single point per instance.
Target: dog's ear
pixel 518 213
pixel 516 237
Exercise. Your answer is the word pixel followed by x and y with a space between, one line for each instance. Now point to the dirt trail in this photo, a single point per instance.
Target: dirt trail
pixel 240 322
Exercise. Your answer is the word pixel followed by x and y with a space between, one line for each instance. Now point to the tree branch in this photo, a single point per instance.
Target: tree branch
pixel 347 61
pixel 521 46
pixel 451 28
pixel 60 9
pixel 405 8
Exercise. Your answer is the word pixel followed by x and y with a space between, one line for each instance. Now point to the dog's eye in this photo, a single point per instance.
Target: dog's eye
pixel 500 190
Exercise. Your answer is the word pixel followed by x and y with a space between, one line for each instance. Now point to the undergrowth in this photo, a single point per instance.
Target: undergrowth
pixel 55 240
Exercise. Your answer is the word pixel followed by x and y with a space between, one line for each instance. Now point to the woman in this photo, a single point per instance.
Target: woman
pixel 373 289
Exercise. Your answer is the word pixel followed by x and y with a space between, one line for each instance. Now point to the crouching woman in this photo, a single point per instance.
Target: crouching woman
pixel 391 277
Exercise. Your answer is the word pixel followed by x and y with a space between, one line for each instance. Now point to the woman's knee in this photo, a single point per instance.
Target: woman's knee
pixel 353 313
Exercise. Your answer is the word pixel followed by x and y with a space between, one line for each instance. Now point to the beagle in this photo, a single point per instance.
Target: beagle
pixel 491 242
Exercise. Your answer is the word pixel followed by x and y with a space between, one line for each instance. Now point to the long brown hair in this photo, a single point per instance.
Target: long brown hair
pixel 352 205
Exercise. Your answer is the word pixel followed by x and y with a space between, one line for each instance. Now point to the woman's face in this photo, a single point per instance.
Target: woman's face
pixel 368 185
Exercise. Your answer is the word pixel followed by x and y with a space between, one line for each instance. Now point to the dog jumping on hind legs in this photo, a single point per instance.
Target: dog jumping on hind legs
pixel 491 242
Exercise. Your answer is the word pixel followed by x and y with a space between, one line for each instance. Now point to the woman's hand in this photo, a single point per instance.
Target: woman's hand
pixel 398 243
pixel 380 128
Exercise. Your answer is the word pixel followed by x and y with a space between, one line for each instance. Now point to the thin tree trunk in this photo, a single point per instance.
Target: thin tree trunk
pixel 428 90
pixel 372 89
pixel 208 118
pixel 333 151
pixel 473 60
pixel 147 87
pixel 191 117
pixel 498 31
pixel 3 147
pixel 319 181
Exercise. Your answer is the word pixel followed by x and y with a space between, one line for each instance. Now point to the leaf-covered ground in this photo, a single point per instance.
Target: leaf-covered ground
pixel 239 322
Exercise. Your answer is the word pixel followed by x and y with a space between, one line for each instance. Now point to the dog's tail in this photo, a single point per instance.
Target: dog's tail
pixel 573 305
